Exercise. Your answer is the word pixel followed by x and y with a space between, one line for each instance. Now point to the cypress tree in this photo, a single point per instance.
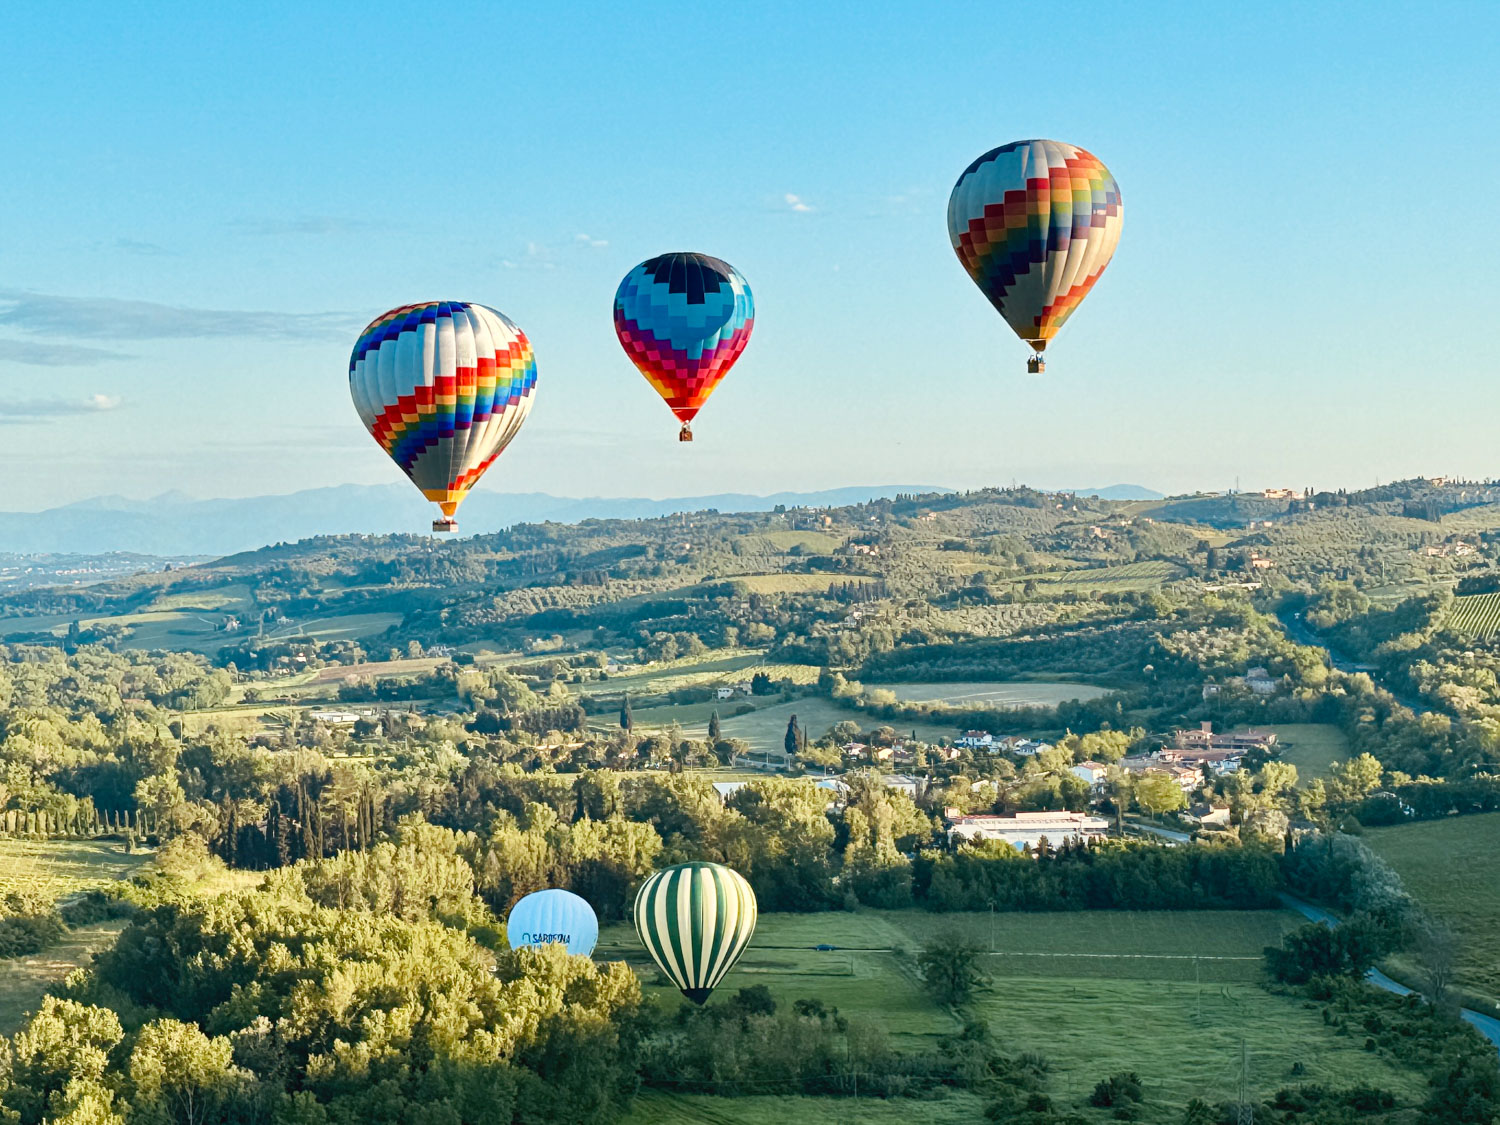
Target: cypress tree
pixel 627 720
pixel 713 728
pixel 793 739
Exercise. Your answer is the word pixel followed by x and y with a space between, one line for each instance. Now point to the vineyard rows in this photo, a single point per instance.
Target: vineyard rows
pixel 1476 615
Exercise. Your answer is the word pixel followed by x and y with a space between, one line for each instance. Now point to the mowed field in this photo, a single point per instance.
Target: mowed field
pixel 1137 576
pixel 63 867
pixel 1450 866
pixel 1311 747
pixel 56 869
pixel 59 869
pixel 1170 995
pixel 1039 693
pixel 190 622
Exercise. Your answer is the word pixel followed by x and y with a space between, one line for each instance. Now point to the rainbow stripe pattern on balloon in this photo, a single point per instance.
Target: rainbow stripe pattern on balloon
pixel 443 386
pixel 684 319
pixel 1035 223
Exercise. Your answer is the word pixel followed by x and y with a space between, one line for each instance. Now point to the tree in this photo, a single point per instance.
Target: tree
pixel 627 720
pixel 1158 793
pixel 1316 950
pixel 793 739
pixel 714 731
pixel 1356 779
pixel 1437 952
pixel 949 967
pixel 181 1076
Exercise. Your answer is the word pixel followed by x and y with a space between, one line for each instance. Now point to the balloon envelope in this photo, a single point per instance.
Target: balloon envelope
pixel 684 319
pixel 695 920
pixel 1035 223
pixel 443 387
pixel 553 915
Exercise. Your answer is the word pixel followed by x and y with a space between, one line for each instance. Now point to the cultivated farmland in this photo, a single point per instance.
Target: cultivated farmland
pixel 1476 615
pixel 1093 992
pixel 1449 866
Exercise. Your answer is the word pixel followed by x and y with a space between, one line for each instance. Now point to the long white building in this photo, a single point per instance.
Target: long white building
pixel 1022 828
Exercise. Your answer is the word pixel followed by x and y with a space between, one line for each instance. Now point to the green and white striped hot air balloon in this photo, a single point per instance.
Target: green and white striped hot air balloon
pixel 695 920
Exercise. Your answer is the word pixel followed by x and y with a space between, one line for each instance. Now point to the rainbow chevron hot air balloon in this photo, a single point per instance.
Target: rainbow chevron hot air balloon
pixel 443 387
pixel 683 319
pixel 695 920
pixel 1035 223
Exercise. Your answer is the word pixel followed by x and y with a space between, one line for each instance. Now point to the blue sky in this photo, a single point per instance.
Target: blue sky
pixel 200 206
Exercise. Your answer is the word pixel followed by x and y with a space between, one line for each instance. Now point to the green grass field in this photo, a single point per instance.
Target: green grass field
pixel 1170 995
pixel 189 622
pixel 1037 693
pixel 814 542
pixel 25 980
pixel 1450 867
pixel 64 867
pixel 1311 747
pixel 795 583
pixel 1137 576
pixel 765 729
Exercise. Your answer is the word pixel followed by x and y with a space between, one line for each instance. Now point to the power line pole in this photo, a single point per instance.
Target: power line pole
pixel 1246 1110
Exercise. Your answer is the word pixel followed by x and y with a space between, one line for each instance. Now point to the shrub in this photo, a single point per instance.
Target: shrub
pixel 1121 1089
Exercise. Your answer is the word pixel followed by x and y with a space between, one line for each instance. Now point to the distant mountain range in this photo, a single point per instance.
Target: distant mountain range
pixel 175 524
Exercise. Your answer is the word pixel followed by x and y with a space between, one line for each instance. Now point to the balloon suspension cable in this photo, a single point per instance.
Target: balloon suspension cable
pixel 685 434
pixel 445 524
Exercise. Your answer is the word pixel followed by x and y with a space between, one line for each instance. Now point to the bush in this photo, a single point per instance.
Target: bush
pixel 24 934
pixel 96 906
pixel 1121 1089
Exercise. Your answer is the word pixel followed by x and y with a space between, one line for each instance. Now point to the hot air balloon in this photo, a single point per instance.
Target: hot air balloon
pixel 695 920
pixel 443 387
pixel 1035 223
pixel 684 319
pixel 553 915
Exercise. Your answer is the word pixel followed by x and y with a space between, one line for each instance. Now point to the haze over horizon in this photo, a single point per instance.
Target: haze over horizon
pixel 215 203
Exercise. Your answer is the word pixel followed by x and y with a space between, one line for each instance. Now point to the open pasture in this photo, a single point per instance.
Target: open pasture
pixel 63 867
pixel 810 542
pixel 352 626
pixel 765 729
pixel 1137 576
pixel 795 583
pixel 1170 995
pixel 1450 867
pixel 1040 693
pixel 1311 747
pixel 25 980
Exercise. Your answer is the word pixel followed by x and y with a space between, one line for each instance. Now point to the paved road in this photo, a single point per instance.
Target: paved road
pixel 1167 834
pixel 1300 632
pixel 1488 1026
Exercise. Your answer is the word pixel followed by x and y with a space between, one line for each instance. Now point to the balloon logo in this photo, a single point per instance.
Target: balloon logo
pixel 684 319
pixel 553 915
pixel 443 387
pixel 1034 223
pixel 695 920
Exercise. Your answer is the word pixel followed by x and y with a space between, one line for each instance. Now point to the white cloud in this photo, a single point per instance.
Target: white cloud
pixel 41 410
pixel 537 256
pixel 109 318
pixel 592 243
pixel 35 354
pixel 797 203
